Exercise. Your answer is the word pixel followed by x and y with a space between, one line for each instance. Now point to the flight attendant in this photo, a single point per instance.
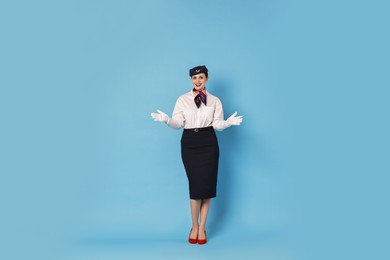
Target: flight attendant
pixel 199 113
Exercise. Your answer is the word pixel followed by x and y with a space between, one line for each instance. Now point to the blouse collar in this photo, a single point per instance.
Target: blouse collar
pixel 194 93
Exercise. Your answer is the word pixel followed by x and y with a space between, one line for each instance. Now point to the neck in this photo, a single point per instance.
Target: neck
pixel 197 91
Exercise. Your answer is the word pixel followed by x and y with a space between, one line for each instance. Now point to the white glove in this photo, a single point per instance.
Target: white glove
pixel 160 117
pixel 234 120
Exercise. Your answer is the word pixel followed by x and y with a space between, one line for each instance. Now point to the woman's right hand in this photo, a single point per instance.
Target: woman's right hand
pixel 160 116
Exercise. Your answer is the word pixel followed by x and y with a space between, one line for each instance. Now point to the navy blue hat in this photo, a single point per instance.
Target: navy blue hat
pixel 198 69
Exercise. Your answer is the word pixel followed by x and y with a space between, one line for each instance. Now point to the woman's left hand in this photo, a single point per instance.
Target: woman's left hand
pixel 234 120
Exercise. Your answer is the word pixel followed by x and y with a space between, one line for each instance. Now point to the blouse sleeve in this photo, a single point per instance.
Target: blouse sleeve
pixel 219 123
pixel 177 120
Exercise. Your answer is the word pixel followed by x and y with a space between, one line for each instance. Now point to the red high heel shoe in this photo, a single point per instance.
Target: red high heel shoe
pixel 192 240
pixel 203 241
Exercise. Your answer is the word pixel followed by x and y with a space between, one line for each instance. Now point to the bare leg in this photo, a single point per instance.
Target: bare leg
pixel 204 211
pixel 195 209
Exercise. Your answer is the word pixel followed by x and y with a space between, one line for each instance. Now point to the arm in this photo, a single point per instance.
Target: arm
pixel 219 123
pixel 177 120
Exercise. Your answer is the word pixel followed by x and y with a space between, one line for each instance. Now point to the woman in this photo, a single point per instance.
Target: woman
pixel 199 113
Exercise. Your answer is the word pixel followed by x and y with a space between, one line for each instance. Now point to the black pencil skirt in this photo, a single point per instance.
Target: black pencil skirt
pixel 200 155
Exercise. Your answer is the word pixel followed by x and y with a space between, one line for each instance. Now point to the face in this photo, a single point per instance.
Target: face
pixel 199 81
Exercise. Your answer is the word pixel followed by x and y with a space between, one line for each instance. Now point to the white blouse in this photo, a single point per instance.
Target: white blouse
pixel 187 115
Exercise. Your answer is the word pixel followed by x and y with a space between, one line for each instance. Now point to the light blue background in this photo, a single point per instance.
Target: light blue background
pixel 87 174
